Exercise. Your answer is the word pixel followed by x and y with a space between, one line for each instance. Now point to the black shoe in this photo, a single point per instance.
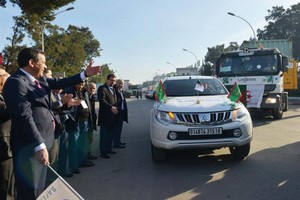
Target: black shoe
pixel 104 156
pixel 112 152
pixel 75 171
pixel 67 175
pixel 122 143
pixel 86 163
pixel 91 157
pixel 119 147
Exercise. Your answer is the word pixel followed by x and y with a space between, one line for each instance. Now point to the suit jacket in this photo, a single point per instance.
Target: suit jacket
pixel 57 109
pixel 106 101
pixel 119 102
pixel 5 123
pixel 90 101
pixel 30 109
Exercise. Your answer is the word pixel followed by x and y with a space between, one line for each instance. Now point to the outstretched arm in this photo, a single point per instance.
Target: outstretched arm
pixel 92 70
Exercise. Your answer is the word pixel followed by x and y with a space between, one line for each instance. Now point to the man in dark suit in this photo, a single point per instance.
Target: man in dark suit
pixel 27 95
pixel 107 117
pixel 122 114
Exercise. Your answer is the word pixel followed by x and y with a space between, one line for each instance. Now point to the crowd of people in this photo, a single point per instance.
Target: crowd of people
pixel 51 121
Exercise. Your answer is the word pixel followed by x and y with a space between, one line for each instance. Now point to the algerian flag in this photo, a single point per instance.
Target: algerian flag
pixel 253 95
pixel 235 93
pixel 160 93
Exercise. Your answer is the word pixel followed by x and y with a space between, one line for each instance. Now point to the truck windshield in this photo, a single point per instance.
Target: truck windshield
pixel 248 65
pixel 194 87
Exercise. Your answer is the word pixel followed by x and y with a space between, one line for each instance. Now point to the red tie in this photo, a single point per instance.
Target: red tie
pixel 40 87
pixel 38 84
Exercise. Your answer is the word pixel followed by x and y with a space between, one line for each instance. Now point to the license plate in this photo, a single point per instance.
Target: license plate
pixel 205 131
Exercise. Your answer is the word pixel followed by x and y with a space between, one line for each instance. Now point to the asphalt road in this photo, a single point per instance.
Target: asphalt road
pixel 270 172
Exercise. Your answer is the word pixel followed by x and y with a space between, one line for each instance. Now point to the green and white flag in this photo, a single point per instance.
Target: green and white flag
pixel 235 94
pixel 160 94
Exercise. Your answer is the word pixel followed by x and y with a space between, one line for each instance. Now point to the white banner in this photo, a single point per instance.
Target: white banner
pixel 58 190
pixel 254 94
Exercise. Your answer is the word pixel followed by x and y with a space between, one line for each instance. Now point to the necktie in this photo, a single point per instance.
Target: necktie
pixel 39 86
pixel 111 90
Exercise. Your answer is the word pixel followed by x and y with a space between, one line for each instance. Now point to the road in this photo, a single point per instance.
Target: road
pixel 270 172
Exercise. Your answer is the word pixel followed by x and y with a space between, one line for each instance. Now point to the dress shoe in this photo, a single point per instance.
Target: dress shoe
pixel 104 156
pixel 91 157
pixel 86 163
pixel 119 147
pixel 67 174
pixel 112 152
pixel 122 143
pixel 75 171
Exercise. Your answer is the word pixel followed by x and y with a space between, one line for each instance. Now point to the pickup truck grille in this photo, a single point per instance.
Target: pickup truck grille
pixel 204 118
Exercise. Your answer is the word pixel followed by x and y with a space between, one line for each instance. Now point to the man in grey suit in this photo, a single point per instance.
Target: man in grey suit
pixel 27 95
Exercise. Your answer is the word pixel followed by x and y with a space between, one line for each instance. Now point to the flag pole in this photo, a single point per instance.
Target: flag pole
pixel 65 182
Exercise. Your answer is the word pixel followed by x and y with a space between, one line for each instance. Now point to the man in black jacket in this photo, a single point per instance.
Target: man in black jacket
pixel 107 117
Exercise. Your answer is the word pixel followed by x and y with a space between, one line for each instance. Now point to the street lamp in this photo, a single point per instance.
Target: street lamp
pixel 197 60
pixel 172 65
pixel 229 13
pixel 193 55
pixel 43 27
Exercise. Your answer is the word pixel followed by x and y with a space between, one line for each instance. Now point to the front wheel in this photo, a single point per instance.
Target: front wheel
pixel 158 155
pixel 278 112
pixel 240 152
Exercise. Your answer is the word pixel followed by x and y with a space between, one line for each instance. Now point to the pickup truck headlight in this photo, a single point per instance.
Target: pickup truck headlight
pixel 239 114
pixel 165 117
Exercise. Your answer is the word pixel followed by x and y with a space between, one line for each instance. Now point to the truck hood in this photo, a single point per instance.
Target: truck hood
pixel 195 104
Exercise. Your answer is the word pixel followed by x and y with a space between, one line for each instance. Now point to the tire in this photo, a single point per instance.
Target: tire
pixel 240 152
pixel 158 155
pixel 286 102
pixel 278 112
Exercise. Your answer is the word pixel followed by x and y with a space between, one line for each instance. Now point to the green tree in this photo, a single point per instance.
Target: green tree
pixel 283 24
pixel 213 53
pixel 2 3
pixel 11 51
pixel 70 50
pixel 39 7
pixel 212 56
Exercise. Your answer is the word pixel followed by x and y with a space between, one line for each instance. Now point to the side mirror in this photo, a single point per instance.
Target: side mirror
pixel 285 63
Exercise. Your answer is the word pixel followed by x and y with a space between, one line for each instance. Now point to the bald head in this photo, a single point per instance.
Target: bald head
pixel 120 84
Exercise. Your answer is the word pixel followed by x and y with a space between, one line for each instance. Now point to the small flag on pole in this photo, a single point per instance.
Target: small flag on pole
pixel 235 94
pixel 160 93
pixel 59 189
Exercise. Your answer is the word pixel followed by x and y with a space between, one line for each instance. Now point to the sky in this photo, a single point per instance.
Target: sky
pixel 139 37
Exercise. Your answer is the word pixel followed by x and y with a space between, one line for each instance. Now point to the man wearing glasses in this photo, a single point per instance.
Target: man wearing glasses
pixel 107 117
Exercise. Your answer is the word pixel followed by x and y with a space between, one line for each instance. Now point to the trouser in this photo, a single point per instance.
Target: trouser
pixel 118 129
pixel 77 144
pixel 30 175
pixel 82 141
pixel 7 180
pixel 53 160
pixel 106 136
pixel 89 140
pixel 63 155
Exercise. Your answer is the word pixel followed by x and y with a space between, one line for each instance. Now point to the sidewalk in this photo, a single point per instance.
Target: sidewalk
pixel 294 100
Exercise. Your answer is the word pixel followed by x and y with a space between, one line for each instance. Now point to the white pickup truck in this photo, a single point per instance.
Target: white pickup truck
pixel 197 114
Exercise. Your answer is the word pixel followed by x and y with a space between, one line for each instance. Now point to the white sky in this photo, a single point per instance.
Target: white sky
pixel 138 36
